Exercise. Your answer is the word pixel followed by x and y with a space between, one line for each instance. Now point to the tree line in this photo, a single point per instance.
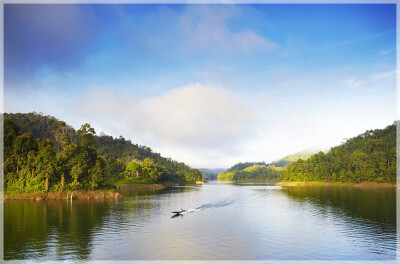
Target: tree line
pixel 42 153
pixel 249 171
pixel 370 156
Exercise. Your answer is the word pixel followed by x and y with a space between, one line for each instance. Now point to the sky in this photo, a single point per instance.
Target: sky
pixel 209 85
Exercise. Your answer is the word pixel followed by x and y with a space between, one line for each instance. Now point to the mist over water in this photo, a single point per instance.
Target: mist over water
pixel 250 221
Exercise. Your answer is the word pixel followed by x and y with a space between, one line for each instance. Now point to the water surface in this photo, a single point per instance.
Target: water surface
pixel 232 221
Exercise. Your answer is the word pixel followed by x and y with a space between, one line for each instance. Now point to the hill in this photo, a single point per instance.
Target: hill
pixel 42 153
pixel 370 156
pixel 244 165
pixel 293 157
pixel 250 171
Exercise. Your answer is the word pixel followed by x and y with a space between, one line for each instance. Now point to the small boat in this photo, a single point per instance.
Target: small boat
pixel 179 212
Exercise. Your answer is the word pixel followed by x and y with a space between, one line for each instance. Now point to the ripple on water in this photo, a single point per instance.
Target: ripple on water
pixel 262 222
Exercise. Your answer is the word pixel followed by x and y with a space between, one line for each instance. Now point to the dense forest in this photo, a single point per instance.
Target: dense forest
pixel 370 156
pixel 251 171
pixel 42 153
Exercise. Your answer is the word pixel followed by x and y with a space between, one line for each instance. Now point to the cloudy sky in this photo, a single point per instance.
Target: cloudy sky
pixel 209 85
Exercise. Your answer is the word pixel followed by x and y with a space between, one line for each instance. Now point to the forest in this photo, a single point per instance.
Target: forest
pixel 251 171
pixel 42 153
pixel 370 156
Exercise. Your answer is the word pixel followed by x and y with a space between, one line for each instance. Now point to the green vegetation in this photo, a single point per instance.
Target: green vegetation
pixel 370 156
pixel 144 172
pixel 255 172
pixel 44 154
pixel 241 166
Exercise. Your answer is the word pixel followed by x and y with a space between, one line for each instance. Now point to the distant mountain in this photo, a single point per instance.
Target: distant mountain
pixel 211 174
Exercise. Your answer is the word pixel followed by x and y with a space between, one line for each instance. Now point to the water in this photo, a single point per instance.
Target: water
pixel 228 221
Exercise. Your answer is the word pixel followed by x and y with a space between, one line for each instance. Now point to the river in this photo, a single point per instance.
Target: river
pixel 231 221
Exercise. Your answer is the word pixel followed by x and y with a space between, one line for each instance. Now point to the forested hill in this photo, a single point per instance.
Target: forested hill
pixel 370 156
pixel 250 171
pixel 46 127
pixel 40 126
pixel 43 153
pixel 244 165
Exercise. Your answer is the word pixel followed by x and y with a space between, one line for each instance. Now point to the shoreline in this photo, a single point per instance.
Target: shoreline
pixel 154 186
pixel 65 195
pixel 347 184
pixel 143 186
pixel 91 194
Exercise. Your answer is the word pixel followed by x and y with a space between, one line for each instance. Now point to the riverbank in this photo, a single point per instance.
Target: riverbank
pixel 353 184
pixel 64 195
pixel 144 186
pixel 154 186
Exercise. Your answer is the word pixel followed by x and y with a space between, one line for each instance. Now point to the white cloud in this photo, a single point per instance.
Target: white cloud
pixel 355 83
pixel 101 102
pixel 195 115
pixel 248 41
pixel 384 52
pixel 374 81
pixel 384 76
pixel 197 124
pixel 208 28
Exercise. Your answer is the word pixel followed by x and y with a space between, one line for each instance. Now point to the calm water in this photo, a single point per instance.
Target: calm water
pixel 233 222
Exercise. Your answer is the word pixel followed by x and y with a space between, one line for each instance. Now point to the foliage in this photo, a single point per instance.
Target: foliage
pixel 370 156
pixel 244 165
pixel 144 172
pixel 42 154
pixel 126 151
pixel 255 172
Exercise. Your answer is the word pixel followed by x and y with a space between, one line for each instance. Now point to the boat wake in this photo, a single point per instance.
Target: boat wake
pixel 206 206
pixel 215 205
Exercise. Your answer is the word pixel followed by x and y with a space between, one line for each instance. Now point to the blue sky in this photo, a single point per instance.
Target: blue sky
pixel 209 85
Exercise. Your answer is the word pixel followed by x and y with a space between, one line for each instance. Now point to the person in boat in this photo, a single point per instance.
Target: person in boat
pixel 182 210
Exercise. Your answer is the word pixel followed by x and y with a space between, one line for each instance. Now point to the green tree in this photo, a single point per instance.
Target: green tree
pixel 87 134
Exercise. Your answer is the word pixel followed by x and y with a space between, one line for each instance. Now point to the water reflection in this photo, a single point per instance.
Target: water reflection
pixel 248 183
pixel 51 229
pixel 364 214
pixel 375 204
pixel 235 221
pixel 132 190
